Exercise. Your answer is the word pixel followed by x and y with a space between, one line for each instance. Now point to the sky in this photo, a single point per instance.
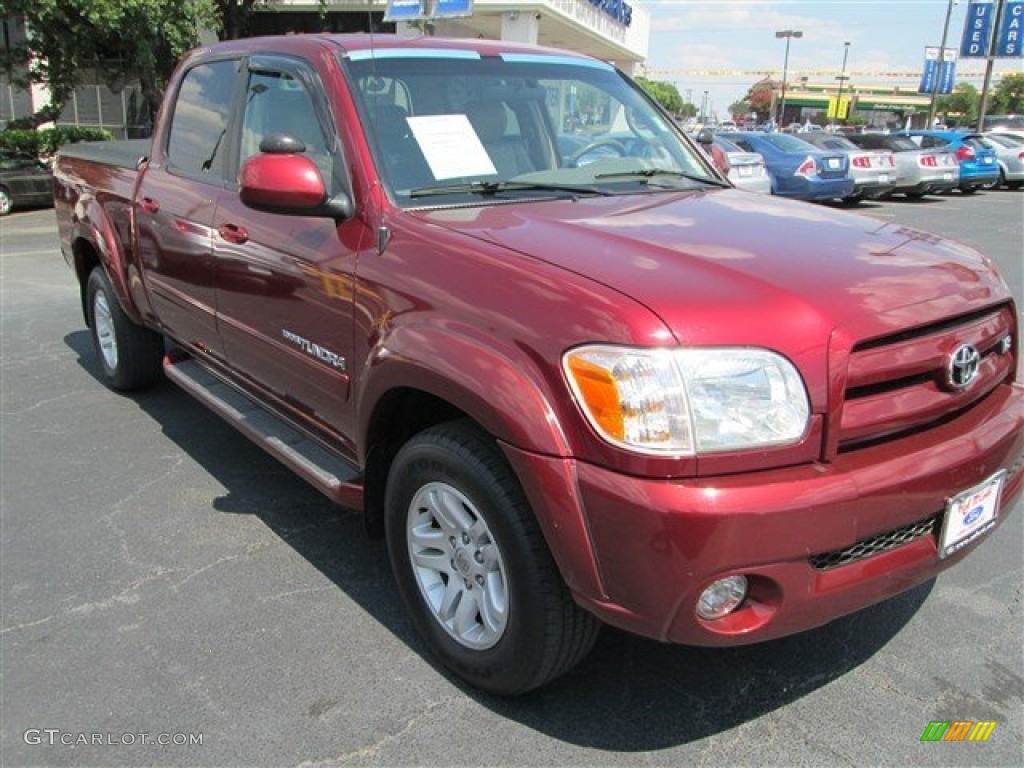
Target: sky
pixel 885 36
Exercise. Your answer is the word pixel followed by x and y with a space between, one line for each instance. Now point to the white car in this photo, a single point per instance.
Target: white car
pixel 746 169
pixel 1009 149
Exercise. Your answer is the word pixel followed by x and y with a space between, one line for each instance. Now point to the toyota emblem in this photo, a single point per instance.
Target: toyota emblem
pixel 963 366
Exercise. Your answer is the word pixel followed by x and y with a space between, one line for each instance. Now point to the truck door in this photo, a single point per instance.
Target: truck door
pixel 285 282
pixel 176 201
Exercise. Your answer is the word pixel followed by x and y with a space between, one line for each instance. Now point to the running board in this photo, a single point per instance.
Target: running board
pixel 334 476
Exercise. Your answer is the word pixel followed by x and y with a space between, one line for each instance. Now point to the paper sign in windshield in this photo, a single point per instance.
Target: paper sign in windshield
pixel 451 146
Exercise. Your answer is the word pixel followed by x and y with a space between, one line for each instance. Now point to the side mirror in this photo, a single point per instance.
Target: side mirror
pixel 705 137
pixel 289 184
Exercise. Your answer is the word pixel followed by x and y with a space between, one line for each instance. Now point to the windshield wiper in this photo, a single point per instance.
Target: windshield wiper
pixel 648 173
pixel 494 187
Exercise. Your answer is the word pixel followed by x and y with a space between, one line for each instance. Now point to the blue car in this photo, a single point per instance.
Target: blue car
pixel 979 166
pixel 798 169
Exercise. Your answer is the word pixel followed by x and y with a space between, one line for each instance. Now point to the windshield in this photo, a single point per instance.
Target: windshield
pixel 452 126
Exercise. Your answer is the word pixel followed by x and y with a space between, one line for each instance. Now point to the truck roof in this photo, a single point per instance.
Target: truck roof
pixel 366 42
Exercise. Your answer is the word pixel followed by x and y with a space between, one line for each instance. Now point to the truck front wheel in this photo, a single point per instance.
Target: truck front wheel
pixel 130 355
pixel 472 566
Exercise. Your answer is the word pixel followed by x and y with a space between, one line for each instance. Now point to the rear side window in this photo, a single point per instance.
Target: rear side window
pixel 933 141
pixel 199 126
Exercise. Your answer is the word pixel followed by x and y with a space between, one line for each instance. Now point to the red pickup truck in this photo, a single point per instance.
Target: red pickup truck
pixel 492 297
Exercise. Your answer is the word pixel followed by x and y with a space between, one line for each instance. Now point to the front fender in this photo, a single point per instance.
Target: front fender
pixel 501 389
pixel 507 395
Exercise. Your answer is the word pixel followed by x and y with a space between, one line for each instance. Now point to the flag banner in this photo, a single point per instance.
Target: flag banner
pixel 1008 40
pixel 978 29
pixel 947 71
pixel 404 10
pixel 930 72
pixel 452 9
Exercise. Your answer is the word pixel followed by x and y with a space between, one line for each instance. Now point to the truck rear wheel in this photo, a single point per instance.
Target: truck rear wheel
pixel 472 566
pixel 130 355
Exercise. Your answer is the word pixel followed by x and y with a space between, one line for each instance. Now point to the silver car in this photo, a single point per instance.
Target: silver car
pixel 872 170
pixel 919 171
pixel 1010 156
pixel 746 169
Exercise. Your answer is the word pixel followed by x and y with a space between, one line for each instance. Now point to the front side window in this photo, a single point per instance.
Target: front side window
pixel 455 126
pixel 199 124
pixel 277 102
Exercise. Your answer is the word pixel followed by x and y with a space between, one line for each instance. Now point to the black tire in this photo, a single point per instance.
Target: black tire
pixel 543 633
pixel 968 190
pixel 1014 184
pixel 915 195
pixel 130 355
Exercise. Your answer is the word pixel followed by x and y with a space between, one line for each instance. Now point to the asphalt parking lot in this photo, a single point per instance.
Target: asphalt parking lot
pixel 162 576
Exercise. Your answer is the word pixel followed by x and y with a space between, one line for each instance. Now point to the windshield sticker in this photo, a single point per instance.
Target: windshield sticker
pixel 451 146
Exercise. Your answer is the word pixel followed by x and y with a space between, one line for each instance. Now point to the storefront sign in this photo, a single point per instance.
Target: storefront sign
pixel 619 10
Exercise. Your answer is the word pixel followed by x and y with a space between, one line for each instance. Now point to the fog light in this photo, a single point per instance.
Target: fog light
pixel 722 597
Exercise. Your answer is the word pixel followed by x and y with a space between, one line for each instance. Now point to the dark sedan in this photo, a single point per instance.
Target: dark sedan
pixel 23 181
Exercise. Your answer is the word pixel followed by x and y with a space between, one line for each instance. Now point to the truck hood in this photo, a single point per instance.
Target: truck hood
pixel 733 267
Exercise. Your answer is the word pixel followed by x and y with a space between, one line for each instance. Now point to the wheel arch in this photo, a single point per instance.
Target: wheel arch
pixel 94 242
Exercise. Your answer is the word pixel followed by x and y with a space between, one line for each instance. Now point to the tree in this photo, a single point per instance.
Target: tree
pixel 760 97
pixel 1008 98
pixel 119 39
pixel 740 109
pixel 961 104
pixel 688 110
pixel 234 16
pixel 665 94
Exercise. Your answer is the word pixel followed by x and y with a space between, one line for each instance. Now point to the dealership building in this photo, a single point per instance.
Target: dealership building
pixel 613 30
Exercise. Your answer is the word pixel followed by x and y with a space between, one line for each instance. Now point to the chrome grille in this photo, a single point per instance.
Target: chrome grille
pixel 899 383
pixel 875 545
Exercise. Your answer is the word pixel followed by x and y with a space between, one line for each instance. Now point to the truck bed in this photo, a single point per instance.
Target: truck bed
pixel 125 153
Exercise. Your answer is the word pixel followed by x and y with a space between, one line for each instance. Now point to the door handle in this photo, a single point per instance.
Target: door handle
pixel 149 205
pixel 234 233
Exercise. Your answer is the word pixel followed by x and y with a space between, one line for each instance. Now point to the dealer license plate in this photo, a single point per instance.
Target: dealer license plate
pixel 883 178
pixel 947 177
pixel 834 162
pixel 970 514
pixel 987 160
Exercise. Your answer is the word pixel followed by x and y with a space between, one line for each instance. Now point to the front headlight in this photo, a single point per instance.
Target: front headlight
pixel 689 401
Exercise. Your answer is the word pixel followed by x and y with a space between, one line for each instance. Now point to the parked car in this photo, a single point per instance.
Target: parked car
pixel 23 181
pixel 1010 156
pixel 873 170
pixel 978 166
pixel 919 171
pixel 1001 123
pixel 798 169
pixel 747 170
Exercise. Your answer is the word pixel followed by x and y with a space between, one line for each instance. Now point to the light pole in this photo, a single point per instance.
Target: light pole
pixel 789 34
pixel 704 109
pixel 842 80
pixel 940 63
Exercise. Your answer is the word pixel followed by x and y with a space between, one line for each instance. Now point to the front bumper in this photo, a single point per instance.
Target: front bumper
pixel 659 543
